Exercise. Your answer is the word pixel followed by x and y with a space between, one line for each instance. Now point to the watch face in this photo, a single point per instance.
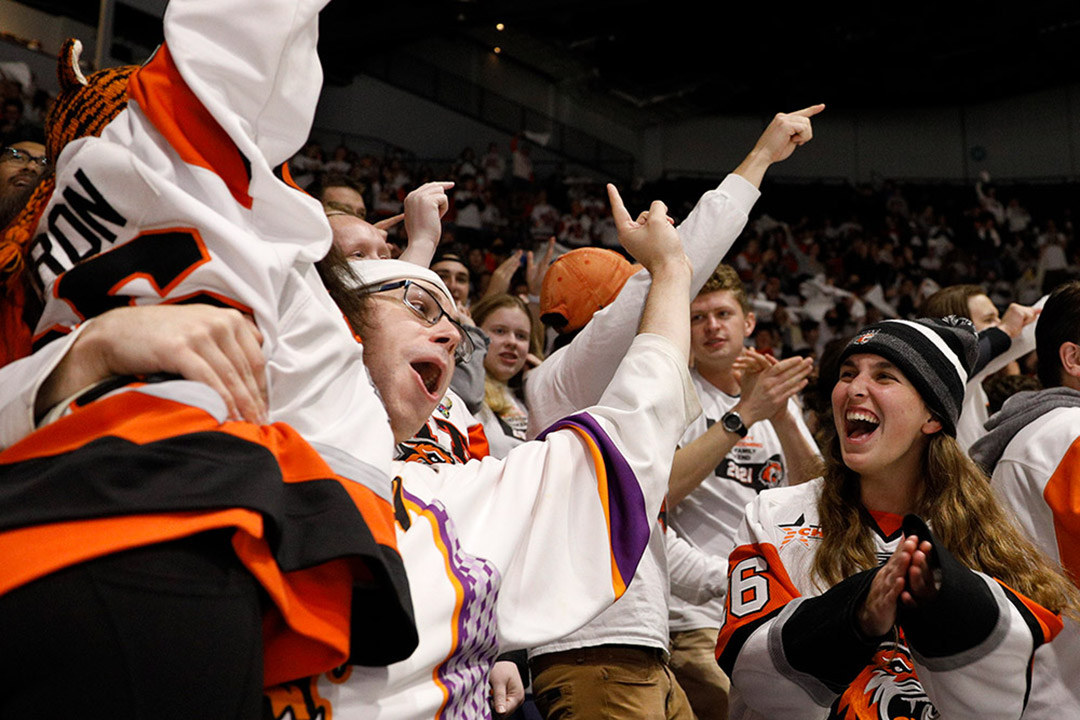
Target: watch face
pixel 732 422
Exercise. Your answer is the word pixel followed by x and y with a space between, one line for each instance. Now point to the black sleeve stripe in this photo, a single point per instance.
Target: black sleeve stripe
pixel 964 617
pixel 738 639
pixel 1029 617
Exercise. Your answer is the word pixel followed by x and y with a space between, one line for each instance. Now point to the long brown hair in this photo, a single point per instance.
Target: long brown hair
pixel 952 300
pixel 958 504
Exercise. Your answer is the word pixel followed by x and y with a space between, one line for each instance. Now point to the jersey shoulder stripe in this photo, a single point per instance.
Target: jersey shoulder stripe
pixel 1062 494
pixel 176 112
pixel 620 495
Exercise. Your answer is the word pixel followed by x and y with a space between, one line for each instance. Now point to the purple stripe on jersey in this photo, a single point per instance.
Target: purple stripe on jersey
pixel 464 673
pixel 630 524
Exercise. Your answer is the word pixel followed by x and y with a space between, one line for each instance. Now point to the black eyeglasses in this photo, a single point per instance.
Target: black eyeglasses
pixel 10 154
pixel 428 308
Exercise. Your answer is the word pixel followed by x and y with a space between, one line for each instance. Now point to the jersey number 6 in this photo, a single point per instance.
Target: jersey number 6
pixel 749 591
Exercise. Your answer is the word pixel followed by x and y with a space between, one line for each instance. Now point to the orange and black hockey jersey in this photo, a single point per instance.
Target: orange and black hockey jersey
pixel 183 199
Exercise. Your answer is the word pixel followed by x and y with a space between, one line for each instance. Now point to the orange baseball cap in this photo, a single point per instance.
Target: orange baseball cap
pixel 581 283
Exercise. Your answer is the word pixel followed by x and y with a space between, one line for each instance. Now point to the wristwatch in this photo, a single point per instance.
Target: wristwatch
pixel 733 423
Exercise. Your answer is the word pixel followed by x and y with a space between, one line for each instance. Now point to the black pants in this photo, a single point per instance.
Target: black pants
pixel 172 630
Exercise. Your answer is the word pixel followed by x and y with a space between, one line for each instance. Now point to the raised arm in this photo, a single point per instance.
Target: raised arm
pixel 582 503
pixel 574 377
pixel 655 244
pixel 253 65
pixel 786 132
pixel 1018 323
pixel 424 208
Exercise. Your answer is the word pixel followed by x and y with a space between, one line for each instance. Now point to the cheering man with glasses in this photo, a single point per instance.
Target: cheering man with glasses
pixel 420 300
pixel 21 164
pixel 481 541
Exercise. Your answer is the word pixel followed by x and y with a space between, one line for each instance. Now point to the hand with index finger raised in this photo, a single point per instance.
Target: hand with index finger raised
pixel 786 132
pixel 809 111
pixel 387 223
pixel 654 243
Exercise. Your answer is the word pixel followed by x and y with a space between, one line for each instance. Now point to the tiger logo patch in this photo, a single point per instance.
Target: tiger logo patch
pixel 887 689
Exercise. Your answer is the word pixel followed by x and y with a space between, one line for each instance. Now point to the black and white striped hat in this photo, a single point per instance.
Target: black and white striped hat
pixel 936 355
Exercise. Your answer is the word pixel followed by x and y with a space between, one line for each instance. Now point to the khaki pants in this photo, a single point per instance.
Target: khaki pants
pixel 614 682
pixel 693 660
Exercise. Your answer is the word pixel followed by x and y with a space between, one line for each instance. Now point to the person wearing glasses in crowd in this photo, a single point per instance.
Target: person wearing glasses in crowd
pixel 482 540
pixel 21 164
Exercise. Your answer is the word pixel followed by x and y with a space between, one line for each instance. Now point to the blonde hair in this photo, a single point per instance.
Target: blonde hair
pixel 497 396
pixel 957 503
pixel 724 277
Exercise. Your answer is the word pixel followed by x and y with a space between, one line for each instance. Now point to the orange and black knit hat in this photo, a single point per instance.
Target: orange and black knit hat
pixel 83 107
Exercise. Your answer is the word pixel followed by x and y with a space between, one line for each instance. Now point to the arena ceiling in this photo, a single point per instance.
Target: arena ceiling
pixel 673 60
pixel 678 59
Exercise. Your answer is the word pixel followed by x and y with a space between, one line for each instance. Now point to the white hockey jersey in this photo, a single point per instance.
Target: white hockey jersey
pixel 792 650
pixel 508 554
pixel 1038 477
pixel 182 199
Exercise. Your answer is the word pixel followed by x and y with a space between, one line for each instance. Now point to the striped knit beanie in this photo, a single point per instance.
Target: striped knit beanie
pixel 85 103
pixel 935 355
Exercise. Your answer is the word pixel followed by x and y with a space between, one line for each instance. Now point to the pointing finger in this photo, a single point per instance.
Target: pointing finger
pixel 390 222
pixel 618 208
pixel 809 111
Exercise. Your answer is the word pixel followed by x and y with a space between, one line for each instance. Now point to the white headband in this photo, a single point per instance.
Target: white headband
pixel 373 273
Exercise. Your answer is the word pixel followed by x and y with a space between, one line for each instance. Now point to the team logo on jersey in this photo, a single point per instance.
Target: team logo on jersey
pixel 298 700
pixel 864 338
pixel 425 451
pixel 439 441
pixel 772 473
pixel 800 531
pixel 887 689
pixel 757 475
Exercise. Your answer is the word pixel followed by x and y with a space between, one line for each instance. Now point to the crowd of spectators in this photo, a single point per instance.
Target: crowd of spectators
pixel 22 111
pixel 482 240
pixel 818 261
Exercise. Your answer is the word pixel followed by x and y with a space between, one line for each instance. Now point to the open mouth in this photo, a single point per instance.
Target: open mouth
pixel 430 374
pixel 860 424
